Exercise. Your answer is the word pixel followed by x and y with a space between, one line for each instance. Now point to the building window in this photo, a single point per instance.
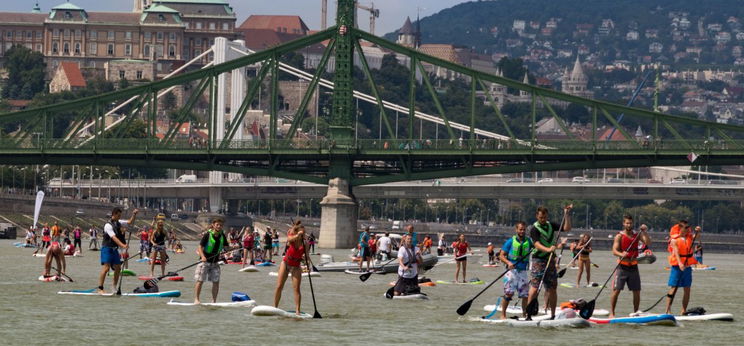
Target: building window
pixel 172 36
pixel 78 33
pixel 139 74
pixel 68 15
pixel 188 25
pixel 197 52
pixel 29 35
pixel 160 35
pixel 93 34
pixel 110 35
pixel 225 26
pixel 9 35
pixel 55 47
pixel 110 49
pixel 148 36
pixel 128 35
pixel 122 74
pixel 66 49
pixel 55 33
pixel 127 49
pixel 198 42
pixel 39 47
pixel 159 51
pixel 161 18
pixel 77 48
pixel 198 25
pixel 38 35
pixel 93 48
pixel 212 26
pixel 67 33
pixel 172 50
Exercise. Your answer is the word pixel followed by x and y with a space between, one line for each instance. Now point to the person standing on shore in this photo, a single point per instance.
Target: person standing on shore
pixel 681 260
pixel 210 247
pixel 543 272
pixel 625 247
pixel 113 239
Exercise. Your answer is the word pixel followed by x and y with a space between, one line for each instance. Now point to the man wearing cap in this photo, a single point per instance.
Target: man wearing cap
pixel 210 247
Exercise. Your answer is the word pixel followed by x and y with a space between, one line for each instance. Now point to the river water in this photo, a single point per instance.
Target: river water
pixel 353 311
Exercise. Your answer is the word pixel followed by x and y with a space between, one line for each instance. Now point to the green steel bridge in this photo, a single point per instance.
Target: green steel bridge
pixel 342 155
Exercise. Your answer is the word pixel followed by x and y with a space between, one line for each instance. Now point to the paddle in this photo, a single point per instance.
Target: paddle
pixel 366 275
pixel 121 277
pixel 310 279
pixel 587 311
pixel 463 309
pixel 563 271
pixel 175 273
pixel 63 274
pixel 532 307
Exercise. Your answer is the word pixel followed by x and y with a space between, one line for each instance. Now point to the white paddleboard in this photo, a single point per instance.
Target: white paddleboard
pixel 52 278
pixel 266 310
pixel 576 322
pixel 518 310
pixel 356 272
pixel 706 317
pixel 91 292
pixel 246 304
pixel 304 275
pixel 248 269
pixel 411 297
pixel 500 321
pixel 67 256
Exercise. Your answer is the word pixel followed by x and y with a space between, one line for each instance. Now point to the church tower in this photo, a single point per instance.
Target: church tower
pixel 575 82
pixel 407 34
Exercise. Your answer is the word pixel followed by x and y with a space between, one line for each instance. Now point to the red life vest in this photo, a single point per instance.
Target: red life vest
pixel 631 245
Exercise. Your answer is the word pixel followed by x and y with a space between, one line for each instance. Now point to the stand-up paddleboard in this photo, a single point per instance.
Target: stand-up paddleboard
pixel 53 278
pixel 471 282
pixel 358 272
pixel 518 310
pixel 124 272
pixel 576 322
pixel 243 304
pixel 572 285
pixel 23 245
pixel 169 278
pixel 66 256
pixel 654 320
pixel 164 294
pixel 425 284
pixel 265 310
pixel 90 292
pixel 490 265
pixel 410 297
pixel 265 264
pixel 696 268
pixel 248 269
pixel 707 317
pixel 304 275
pixel 143 259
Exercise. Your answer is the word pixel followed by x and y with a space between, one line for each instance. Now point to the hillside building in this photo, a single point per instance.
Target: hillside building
pixel 575 82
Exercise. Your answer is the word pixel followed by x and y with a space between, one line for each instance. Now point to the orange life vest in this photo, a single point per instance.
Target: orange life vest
pixel 629 244
pixel 684 246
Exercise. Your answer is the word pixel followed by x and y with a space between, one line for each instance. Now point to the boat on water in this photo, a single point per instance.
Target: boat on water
pixel 328 265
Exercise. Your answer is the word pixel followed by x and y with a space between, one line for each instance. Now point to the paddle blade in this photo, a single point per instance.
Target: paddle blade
pixel 463 309
pixel 561 273
pixel 315 269
pixel 365 276
pixel 389 293
pixel 533 307
pixel 317 314
pixel 588 310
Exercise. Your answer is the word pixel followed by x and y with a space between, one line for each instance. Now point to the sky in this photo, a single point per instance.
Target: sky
pixel 392 12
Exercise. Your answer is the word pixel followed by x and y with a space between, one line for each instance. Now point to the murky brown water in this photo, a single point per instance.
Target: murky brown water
pixel 353 312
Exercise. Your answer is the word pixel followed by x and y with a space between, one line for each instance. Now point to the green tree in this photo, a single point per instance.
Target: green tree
pixel 123 83
pixel 25 73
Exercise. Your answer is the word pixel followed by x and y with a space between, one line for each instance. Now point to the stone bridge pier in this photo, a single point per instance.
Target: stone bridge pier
pixel 338 219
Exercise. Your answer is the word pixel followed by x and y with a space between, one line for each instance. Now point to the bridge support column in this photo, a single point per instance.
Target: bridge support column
pixel 215 199
pixel 338 218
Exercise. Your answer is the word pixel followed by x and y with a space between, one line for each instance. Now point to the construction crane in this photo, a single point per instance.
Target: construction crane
pixel 374 13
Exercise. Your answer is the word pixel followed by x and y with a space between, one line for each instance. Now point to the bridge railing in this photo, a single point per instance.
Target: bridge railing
pixel 142 144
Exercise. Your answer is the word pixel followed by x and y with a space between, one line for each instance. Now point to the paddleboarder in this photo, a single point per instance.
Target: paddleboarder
pixel 515 255
pixel 627 271
pixel 461 248
pixel 54 253
pixel 542 233
pixel 113 239
pixel 292 264
pixel 77 238
pixel 248 250
pixel 384 246
pixel 584 248
pixel 157 243
pixel 211 245
pixel 409 258
pixel 681 260
pixel 364 251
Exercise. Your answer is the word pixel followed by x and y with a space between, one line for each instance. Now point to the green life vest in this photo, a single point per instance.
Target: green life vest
pixel 546 239
pixel 519 251
pixel 212 242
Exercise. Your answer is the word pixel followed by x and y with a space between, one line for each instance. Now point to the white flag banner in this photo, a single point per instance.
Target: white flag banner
pixel 37 207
